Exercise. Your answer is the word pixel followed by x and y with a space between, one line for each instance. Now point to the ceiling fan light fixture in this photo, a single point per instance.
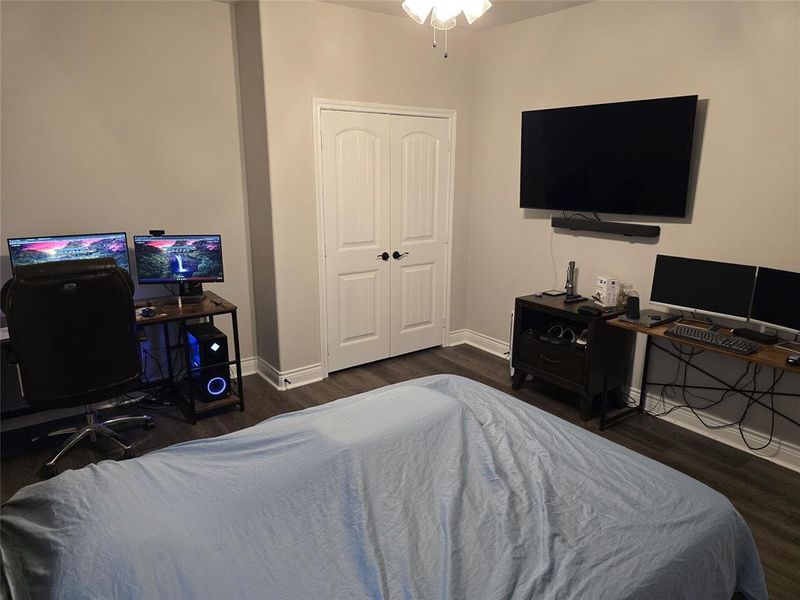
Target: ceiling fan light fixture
pixel 418 10
pixel 444 10
pixel 474 9
pixel 442 25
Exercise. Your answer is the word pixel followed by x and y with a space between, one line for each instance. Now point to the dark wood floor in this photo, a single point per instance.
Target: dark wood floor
pixel 765 494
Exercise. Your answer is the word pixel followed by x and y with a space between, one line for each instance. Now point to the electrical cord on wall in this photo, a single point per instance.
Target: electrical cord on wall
pixel 581 216
pixel 553 260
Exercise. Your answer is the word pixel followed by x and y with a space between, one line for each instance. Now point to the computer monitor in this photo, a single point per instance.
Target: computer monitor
pixel 776 300
pixel 180 259
pixel 43 249
pixel 704 286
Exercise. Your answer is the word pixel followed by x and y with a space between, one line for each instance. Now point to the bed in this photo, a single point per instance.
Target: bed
pixel 439 487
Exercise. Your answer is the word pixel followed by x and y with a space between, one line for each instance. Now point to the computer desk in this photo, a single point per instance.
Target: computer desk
pixel 168 312
pixel 766 356
pixel 13 406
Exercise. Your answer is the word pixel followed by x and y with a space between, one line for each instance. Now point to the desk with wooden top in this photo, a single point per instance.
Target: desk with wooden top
pixel 13 404
pixel 212 305
pixel 767 356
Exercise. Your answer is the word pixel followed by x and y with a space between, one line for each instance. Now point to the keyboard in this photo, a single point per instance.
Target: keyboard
pixel 731 343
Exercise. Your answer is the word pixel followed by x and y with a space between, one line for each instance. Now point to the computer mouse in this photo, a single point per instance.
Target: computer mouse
pixel 655 317
pixel 793 359
pixel 148 312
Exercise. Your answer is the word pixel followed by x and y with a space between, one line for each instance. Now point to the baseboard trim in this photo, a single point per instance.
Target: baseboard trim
pixel 780 452
pixel 286 380
pixel 249 366
pixel 478 340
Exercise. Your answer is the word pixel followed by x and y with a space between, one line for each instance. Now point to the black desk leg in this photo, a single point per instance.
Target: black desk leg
pixel 169 355
pixel 643 383
pixel 606 423
pixel 186 404
pixel 239 380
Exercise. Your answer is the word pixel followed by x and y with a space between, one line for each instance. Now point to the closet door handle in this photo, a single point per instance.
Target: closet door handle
pixel 397 256
pixel 384 256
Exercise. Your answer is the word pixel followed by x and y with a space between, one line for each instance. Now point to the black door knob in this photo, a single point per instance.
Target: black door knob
pixel 384 256
pixel 397 256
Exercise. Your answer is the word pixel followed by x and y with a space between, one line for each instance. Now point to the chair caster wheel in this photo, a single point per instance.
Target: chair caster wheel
pixel 129 454
pixel 149 424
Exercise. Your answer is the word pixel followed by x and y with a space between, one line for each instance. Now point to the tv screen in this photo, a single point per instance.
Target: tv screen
pixel 706 286
pixel 625 157
pixel 178 258
pixel 35 250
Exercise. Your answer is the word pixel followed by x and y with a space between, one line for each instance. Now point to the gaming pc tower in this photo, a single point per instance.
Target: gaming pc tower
pixel 207 347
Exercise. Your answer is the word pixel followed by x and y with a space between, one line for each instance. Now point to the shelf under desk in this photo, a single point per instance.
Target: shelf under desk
pixel 213 305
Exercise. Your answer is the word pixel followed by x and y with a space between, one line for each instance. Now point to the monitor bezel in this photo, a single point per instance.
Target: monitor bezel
pixel 69 235
pixel 173 281
pixel 750 319
pixel 701 311
pixel 775 326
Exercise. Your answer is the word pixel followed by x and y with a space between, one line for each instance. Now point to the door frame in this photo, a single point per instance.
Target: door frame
pixel 320 104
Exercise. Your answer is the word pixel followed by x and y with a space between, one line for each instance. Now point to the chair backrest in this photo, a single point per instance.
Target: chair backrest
pixel 73 329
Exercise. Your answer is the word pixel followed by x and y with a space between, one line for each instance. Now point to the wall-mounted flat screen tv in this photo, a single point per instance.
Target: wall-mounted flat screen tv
pixel 628 158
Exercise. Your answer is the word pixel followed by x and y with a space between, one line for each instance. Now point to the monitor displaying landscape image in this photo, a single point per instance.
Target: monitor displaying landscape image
pixel 177 258
pixel 36 250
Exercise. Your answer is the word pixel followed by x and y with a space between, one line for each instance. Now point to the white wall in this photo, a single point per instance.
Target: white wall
pixel 314 49
pixel 123 116
pixel 256 158
pixel 741 58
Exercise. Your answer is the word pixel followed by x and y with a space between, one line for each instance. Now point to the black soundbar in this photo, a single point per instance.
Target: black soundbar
pixel 626 229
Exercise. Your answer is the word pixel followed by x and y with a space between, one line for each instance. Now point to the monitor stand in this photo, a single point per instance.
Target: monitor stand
pixel 191 292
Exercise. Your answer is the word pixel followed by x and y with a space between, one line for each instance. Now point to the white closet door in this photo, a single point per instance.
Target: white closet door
pixel 419 178
pixel 356 192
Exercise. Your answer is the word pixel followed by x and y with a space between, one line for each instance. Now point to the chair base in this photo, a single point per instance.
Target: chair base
pixel 91 430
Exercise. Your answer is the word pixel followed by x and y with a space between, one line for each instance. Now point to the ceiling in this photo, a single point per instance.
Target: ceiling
pixel 501 13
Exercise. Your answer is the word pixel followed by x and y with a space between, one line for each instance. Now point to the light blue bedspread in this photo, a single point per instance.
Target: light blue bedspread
pixel 435 488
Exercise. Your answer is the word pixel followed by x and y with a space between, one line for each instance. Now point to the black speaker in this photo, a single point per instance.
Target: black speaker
pixel 626 229
pixel 208 361
pixel 632 307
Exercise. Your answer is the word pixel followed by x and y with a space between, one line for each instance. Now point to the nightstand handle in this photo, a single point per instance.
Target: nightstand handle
pixel 550 360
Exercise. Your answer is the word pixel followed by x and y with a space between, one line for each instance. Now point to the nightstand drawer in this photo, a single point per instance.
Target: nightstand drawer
pixel 567 362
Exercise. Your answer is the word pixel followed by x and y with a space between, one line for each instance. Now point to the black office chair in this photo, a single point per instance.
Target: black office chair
pixel 73 330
